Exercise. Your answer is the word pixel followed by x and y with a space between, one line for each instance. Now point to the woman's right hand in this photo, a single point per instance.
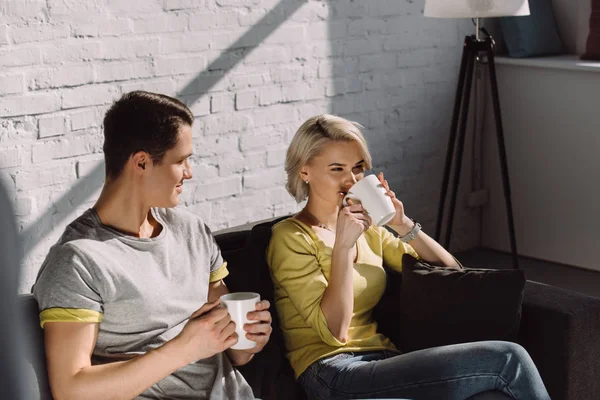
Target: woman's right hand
pixel 351 223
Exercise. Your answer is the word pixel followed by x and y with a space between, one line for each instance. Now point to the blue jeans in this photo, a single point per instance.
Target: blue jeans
pixel 449 372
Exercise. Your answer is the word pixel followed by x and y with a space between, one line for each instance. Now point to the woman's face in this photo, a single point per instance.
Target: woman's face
pixel 333 172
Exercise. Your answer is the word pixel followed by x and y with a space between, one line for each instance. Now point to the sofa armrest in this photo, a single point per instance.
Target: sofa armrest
pixel 559 328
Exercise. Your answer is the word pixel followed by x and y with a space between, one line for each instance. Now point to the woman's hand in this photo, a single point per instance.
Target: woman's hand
pixel 351 223
pixel 400 221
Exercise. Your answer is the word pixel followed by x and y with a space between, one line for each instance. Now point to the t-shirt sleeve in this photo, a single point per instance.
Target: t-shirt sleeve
pixel 294 267
pixel 393 249
pixel 216 259
pixel 66 290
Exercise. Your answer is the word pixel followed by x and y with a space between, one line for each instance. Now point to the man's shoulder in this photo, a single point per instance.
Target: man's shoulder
pixel 180 217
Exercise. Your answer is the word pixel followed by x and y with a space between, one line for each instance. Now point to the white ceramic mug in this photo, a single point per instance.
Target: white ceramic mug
pixel 238 305
pixel 372 195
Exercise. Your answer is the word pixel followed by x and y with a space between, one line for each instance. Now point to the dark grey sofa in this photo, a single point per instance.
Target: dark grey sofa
pixel 559 328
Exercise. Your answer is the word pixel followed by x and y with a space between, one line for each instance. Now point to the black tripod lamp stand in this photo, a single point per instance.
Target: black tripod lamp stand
pixel 475 49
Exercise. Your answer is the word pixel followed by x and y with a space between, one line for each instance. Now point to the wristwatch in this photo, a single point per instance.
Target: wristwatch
pixel 413 232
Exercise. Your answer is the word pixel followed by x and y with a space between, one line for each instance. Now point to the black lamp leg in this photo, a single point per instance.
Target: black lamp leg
pixel 472 52
pixel 503 162
pixel 452 139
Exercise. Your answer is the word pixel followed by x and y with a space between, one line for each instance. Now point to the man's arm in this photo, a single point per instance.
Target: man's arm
pixel 69 347
pixel 258 332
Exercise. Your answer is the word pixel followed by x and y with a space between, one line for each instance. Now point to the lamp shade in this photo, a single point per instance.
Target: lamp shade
pixel 475 8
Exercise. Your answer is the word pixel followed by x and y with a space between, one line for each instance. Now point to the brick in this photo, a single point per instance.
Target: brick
pixel 161 23
pixel 29 104
pixel 10 157
pixel 397 43
pixel 83 119
pixel 356 47
pixel 376 62
pixel 311 11
pixel 187 42
pixel 350 8
pixel 335 87
pixel 334 48
pixel 237 3
pixel 121 71
pixel 61 9
pixel 23 206
pixel 367 27
pixel 157 86
pixel 218 124
pixel 293 92
pixel 278 195
pixel 86 168
pixel 286 35
pixel 11 83
pixel 215 145
pixel 19 57
pixel 67 147
pixel 223 19
pixel 200 83
pixel 327 30
pixel 274 115
pixel 288 208
pixel 253 141
pixel 39 32
pixel 245 100
pixel 198 106
pixel 223 60
pixel 225 187
pixel 87 96
pixel 43 177
pixel 270 95
pixel 101 27
pixel 52 126
pixel 266 54
pixel 230 163
pixel 416 58
pixel 171 5
pixel 3 35
pixel 221 102
pixel 23 9
pixel 276 156
pixel 73 75
pixel 284 74
pixel 264 179
pixel 119 48
pixel 71 50
pixel 18 130
pixel 175 65
pixel 249 80
pixel 133 8
pixel 204 170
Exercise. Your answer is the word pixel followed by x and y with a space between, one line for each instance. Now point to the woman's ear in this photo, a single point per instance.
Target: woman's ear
pixel 304 175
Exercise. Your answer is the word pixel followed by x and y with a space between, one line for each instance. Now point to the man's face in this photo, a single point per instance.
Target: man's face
pixel 164 182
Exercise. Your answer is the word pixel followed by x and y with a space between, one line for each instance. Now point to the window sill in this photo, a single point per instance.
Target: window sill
pixel 566 62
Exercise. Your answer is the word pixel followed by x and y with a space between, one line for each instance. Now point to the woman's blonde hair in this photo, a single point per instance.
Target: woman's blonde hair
pixel 307 143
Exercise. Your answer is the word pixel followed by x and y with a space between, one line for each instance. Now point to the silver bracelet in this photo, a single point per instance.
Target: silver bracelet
pixel 413 232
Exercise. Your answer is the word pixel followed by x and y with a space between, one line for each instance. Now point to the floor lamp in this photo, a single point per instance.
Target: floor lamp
pixel 474 47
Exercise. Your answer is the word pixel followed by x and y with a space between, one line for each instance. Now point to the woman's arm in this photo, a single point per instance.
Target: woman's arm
pixel 426 247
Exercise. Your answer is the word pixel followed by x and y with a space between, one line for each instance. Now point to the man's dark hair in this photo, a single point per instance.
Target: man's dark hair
pixel 142 121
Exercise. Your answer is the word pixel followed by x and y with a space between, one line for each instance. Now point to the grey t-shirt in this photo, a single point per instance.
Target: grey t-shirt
pixel 142 291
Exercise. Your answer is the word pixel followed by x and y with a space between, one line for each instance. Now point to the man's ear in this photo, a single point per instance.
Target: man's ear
pixel 140 161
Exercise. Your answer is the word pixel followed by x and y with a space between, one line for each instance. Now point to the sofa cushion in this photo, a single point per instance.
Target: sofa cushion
pixel 441 306
pixel 533 35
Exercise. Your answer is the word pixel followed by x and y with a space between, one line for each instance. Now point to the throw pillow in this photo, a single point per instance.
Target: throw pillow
pixel 593 41
pixel 441 306
pixel 532 35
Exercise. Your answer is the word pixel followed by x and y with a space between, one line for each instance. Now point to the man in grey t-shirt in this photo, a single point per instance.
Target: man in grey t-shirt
pixel 129 295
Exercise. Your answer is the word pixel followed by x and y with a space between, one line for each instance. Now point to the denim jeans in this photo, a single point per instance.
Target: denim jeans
pixel 454 372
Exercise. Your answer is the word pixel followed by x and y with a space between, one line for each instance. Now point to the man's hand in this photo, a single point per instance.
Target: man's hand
pixel 260 331
pixel 209 331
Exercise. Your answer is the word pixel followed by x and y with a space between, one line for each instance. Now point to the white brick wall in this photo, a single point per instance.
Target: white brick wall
pixel 250 70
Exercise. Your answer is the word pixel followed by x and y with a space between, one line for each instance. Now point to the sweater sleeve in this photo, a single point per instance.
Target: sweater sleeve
pixel 294 264
pixel 393 249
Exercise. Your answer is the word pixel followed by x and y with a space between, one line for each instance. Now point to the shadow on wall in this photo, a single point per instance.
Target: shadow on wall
pixel 195 90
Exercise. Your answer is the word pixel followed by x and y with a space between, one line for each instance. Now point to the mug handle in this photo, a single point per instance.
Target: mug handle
pixel 348 196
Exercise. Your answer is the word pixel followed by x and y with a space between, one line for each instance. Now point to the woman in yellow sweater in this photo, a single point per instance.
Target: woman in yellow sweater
pixel 327 262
